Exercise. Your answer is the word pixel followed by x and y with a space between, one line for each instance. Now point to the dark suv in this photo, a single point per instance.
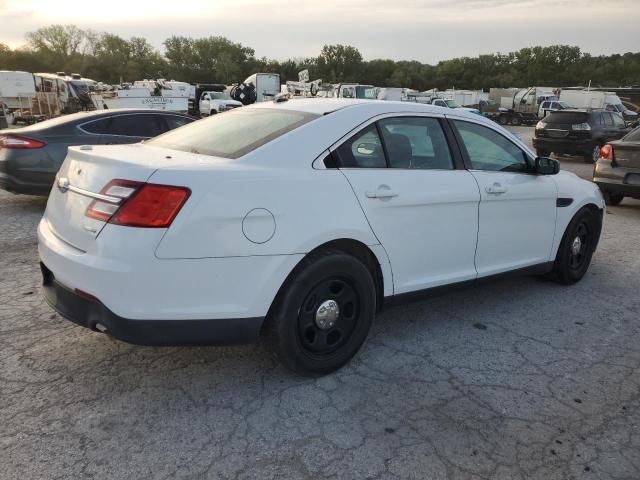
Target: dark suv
pixel 578 132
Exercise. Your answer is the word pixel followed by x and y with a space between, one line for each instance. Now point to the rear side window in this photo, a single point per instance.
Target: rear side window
pixel 608 119
pixel 363 150
pixel 618 121
pixel 569 118
pixel 415 142
pixel 488 150
pixel 97 127
pixel 235 133
pixel 145 125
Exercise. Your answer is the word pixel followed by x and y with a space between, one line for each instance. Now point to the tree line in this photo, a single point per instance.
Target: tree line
pixel 111 59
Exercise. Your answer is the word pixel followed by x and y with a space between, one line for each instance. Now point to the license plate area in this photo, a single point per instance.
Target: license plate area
pixel 632 179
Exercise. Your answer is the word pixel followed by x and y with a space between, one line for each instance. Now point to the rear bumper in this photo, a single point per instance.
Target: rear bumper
pixel 15 185
pixel 91 313
pixel 617 180
pixel 562 145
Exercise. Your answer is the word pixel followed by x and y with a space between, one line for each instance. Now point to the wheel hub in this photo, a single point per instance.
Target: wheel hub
pixel 576 246
pixel 327 314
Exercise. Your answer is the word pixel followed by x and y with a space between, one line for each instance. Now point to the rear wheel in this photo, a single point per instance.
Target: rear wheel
pixel 323 313
pixel 612 199
pixel 592 155
pixel 516 120
pixel 503 120
pixel 576 248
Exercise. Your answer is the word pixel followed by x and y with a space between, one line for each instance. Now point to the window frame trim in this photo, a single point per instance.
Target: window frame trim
pixel 454 149
pixel 123 114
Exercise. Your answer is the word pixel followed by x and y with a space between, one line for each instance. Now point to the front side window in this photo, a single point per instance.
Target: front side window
pixel 174 121
pixel 488 150
pixel 145 126
pixel 618 121
pixel 415 142
pixel 235 133
pixel 363 150
pixel 608 119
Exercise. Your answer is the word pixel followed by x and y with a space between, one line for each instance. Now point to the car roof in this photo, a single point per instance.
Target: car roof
pixel 83 116
pixel 324 106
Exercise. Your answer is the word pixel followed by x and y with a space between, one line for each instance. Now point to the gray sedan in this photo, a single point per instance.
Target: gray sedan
pixel 31 156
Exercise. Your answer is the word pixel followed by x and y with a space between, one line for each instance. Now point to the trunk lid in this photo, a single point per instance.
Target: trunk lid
pixel 626 154
pixel 90 169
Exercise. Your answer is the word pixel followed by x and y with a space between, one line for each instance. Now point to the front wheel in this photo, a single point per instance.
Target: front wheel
pixel 322 314
pixel 576 248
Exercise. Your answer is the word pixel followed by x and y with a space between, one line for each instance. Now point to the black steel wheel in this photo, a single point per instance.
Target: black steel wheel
pixel 322 314
pixel 328 316
pixel 612 199
pixel 577 246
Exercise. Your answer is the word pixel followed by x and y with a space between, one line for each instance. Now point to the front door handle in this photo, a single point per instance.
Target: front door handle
pixel 495 189
pixel 383 191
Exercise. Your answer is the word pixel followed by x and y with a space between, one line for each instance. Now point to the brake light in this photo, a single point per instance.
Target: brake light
pixel 15 142
pixel 606 152
pixel 136 204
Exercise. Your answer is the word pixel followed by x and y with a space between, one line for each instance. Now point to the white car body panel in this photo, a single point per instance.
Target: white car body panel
pixel 249 221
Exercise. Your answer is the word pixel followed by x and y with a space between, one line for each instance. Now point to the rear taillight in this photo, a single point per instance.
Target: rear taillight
pixel 15 142
pixel 606 152
pixel 136 204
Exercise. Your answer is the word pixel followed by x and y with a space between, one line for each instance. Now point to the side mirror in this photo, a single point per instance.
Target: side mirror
pixel 547 166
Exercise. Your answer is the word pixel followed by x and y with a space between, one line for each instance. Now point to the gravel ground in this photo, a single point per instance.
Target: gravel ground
pixel 517 379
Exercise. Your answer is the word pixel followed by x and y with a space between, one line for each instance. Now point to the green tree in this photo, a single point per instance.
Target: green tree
pixel 340 63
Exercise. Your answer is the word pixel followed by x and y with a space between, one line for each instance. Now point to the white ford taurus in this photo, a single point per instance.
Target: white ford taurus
pixel 299 220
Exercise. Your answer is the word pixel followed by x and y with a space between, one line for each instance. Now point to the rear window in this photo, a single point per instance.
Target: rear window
pixel 633 136
pixel 235 133
pixel 567 117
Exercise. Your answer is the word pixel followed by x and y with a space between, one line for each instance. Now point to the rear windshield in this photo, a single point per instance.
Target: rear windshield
pixel 633 136
pixel 567 117
pixel 233 134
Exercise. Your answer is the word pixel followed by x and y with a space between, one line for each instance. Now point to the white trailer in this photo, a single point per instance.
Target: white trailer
pixel 16 88
pixel 596 99
pixel 466 98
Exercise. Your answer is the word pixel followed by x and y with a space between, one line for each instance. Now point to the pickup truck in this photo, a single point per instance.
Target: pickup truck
pixel 216 102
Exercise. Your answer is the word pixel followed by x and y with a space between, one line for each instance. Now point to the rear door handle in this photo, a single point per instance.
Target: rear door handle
pixel 383 191
pixel 495 189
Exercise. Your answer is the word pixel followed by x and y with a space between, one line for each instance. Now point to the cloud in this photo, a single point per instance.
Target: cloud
pixel 425 30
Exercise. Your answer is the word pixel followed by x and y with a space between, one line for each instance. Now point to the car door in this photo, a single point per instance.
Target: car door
pixel 517 215
pixel 419 200
pixel 620 128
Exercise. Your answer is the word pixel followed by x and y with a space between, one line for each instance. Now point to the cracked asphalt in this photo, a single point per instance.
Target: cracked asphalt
pixel 516 379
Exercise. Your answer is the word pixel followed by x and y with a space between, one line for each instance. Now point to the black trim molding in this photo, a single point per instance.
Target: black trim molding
pixel 563 202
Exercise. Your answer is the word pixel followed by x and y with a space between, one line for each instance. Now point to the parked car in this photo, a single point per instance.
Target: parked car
pixel 617 171
pixel 578 132
pixel 216 102
pixel 31 156
pixel 549 106
pixel 300 220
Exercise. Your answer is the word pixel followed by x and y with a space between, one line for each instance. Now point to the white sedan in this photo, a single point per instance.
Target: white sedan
pixel 299 220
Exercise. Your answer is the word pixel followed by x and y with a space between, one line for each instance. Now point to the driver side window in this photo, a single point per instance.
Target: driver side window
pixel 490 151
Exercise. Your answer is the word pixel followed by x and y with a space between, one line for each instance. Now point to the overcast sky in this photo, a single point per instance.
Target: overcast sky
pixel 424 30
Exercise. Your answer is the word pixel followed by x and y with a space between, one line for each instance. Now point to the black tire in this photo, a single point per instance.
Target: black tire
pixel 612 199
pixel 516 121
pixel 293 331
pixel 592 155
pixel 572 263
pixel 542 153
pixel 503 119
